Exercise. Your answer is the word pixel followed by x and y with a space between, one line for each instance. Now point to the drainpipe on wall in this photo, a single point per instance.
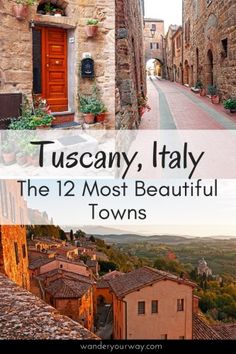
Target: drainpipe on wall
pixel 126 320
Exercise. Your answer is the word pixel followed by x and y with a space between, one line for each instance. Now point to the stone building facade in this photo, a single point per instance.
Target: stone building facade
pixel 155 44
pixel 43 53
pixel 130 64
pixel 13 246
pixel 170 51
pixel 210 44
pixel 178 55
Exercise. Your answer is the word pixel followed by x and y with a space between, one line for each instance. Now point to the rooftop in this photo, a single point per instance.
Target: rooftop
pixel 103 282
pixel 226 331
pixel 39 262
pixel 67 288
pixel 65 274
pixel 24 316
pixel 140 278
pixel 202 331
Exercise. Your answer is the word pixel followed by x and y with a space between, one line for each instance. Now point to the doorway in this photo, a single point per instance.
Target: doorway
pixel 210 68
pixel 50 66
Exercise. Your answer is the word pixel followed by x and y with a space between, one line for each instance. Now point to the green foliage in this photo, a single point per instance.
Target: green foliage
pixel 92 239
pixel 27 2
pixel 91 105
pixel 92 22
pixel 172 266
pixel 79 234
pixel 106 267
pixel 49 231
pixel 230 104
pixel 212 90
pixel 199 85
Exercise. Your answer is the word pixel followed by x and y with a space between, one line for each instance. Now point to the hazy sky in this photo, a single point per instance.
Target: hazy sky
pixel 168 10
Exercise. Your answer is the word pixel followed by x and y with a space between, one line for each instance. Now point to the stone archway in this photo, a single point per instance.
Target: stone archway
pixel 210 68
pixel 154 67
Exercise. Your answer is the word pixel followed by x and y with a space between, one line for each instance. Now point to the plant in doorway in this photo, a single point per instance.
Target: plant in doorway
pixel 92 27
pixel 21 7
pixel 213 92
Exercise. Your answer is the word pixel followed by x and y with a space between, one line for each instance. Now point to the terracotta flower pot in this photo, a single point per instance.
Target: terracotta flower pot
pixel 203 92
pixel 91 30
pixel 21 160
pixel 100 117
pixel 43 127
pixel 215 99
pixel 20 11
pixel 89 118
pixel 8 157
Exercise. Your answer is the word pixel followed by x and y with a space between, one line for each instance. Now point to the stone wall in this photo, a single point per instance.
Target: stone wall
pixel 130 64
pixel 16 71
pixel 169 51
pixel 13 246
pixel 154 53
pixel 205 58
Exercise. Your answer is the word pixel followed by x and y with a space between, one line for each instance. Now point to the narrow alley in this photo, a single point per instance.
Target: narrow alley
pixel 174 106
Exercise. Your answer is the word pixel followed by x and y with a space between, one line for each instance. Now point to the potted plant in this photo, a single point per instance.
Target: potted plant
pixel 42 117
pixel 57 12
pixel 48 9
pixel 21 158
pixel 92 27
pixel 8 153
pixel 212 91
pixel 20 8
pixel 101 113
pixel 230 105
pixel 198 86
pixel 203 91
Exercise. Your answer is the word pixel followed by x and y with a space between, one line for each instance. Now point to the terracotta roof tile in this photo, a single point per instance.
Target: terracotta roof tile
pixel 38 262
pixel 24 316
pixel 65 288
pixel 202 331
pixel 226 331
pixel 139 278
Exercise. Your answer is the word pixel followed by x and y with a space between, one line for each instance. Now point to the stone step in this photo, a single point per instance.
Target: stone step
pixel 63 117
pixel 67 125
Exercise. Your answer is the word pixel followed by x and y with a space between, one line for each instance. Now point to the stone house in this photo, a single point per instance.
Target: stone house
pixel 170 51
pixel 71 294
pixel 13 246
pixel 42 54
pixel 209 30
pixel 130 63
pixel 177 40
pixel 152 304
pixel 154 45
pixel 46 323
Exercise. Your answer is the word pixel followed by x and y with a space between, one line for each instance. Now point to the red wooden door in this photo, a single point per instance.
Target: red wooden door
pixel 54 68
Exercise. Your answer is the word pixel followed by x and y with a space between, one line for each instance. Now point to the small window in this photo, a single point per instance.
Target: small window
pixel 16 253
pixel 180 305
pixel 154 27
pixel 154 306
pixel 225 47
pixel 141 307
pixel 164 337
pixel 24 251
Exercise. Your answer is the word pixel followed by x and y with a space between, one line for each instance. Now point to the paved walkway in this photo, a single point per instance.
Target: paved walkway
pixel 176 107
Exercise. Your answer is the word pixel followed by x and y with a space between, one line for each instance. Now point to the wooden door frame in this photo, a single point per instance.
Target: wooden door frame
pixel 43 30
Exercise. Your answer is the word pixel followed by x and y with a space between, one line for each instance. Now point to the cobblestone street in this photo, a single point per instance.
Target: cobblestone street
pixel 174 106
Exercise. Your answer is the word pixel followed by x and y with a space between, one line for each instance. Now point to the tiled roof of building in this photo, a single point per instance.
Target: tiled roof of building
pixel 226 331
pixel 39 262
pixel 202 331
pixel 140 278
pixel 103 282
pixel 67 288
pixel 65 274
pixel 24 316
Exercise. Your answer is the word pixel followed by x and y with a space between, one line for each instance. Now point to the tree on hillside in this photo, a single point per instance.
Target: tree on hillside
pixel 92 238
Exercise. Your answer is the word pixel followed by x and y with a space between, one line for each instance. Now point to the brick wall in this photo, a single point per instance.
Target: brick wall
pixel 130 64
pixel 208 26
